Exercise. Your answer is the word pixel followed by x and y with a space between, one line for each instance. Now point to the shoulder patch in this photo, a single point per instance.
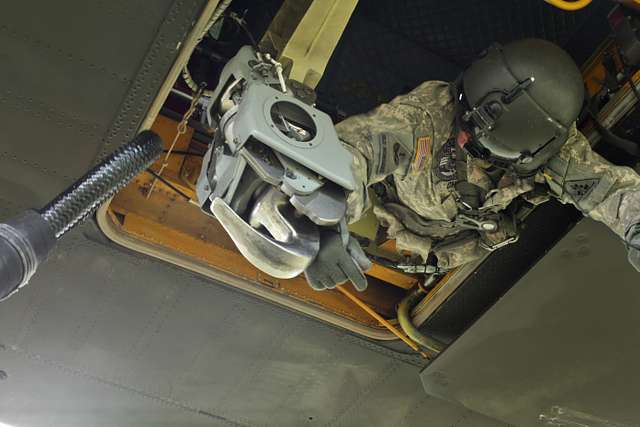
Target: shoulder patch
pixel 579 189
pixel 422 151
pixel 444 165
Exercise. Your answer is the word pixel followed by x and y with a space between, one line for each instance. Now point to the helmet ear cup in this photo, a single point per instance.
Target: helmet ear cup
pixel 494 109
pixel 525 158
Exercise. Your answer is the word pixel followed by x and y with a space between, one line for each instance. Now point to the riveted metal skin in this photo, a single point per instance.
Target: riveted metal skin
pixel 69 94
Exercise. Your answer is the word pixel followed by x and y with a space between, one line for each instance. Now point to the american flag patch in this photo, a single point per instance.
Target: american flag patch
pixel 423 147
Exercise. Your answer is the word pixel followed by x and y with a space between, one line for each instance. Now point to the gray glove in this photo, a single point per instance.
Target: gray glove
pixel 632 238
pixel 336 263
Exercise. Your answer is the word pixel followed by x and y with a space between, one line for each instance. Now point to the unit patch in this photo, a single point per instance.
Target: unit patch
pixel 444 165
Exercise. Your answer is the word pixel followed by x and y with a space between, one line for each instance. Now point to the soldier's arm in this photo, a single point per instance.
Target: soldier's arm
pixel 383 142
pixel 602 191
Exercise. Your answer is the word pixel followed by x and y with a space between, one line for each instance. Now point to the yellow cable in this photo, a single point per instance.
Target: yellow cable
pixel 569 5
pixel 371 312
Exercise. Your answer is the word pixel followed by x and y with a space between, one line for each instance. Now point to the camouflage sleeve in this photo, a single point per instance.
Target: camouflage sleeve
pixel 602 191
pixel 382 142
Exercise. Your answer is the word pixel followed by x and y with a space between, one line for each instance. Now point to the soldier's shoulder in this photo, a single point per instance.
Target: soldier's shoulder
pixel 433 91
pixel 433 85
pixel 576 143
pixel 429 94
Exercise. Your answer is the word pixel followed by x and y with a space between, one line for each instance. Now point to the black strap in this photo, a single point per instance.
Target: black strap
pixel 471 195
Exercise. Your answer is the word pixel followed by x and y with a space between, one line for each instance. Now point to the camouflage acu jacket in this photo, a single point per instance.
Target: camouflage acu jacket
pixel 411 142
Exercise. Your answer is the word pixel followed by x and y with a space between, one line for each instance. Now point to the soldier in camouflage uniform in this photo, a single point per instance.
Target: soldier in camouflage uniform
pixel 441 197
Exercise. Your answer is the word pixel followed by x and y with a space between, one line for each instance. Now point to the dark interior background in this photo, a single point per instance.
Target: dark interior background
pixel 391 46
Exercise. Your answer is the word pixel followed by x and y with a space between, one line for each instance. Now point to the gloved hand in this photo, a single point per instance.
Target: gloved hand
pixel 632 238
pixel 336 263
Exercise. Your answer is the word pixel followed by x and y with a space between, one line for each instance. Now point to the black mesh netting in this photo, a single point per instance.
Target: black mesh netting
pixel 390 46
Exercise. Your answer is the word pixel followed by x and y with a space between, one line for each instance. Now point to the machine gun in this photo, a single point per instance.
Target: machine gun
pixel 276 170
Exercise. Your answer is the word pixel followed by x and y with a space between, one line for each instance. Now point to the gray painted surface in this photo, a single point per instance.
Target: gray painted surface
pixel 106 337
pixel 103 336
pixel 566 335
pixel 76 79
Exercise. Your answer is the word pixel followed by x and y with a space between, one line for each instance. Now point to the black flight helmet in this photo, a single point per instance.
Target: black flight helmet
pixel 518 102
